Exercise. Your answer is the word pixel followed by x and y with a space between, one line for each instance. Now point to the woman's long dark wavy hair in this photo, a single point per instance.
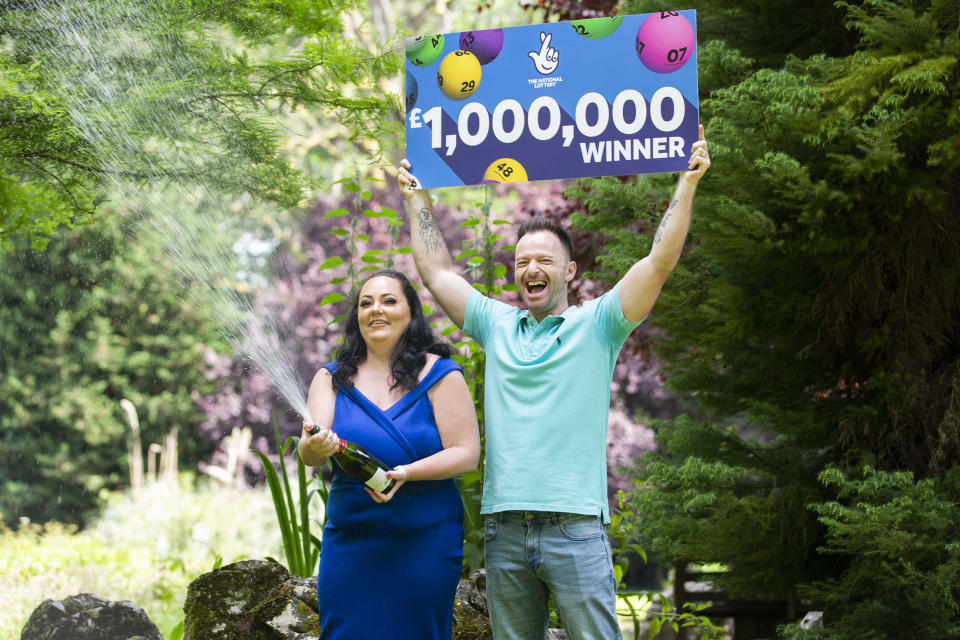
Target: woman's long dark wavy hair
pixel 410 354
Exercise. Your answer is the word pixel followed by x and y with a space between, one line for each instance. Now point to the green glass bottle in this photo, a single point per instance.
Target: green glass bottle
pixel 360 464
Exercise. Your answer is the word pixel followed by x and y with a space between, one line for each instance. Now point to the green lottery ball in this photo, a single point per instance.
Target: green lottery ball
pixel 424 50
pixel 459 75
pixel 596 27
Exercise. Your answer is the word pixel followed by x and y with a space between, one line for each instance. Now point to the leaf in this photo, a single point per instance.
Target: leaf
pixel 330 263
pixel 352 187
pixel 177 632
pixel 336 213
pixel 331 298
pixel 339 232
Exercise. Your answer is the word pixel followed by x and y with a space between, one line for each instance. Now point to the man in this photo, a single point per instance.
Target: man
pixel 547 397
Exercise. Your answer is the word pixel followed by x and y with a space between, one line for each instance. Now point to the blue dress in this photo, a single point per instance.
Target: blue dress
pixel 390 570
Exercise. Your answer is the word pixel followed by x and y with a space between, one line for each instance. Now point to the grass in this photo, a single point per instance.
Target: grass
pixel 146 550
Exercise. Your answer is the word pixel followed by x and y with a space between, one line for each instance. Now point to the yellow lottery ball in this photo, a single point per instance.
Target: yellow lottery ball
pixel 505 170
pixel 459 75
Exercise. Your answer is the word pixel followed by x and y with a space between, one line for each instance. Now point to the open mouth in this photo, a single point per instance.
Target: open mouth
pixel 536 286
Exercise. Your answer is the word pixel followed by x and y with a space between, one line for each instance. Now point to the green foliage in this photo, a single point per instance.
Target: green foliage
pixel 145 550
pixel 93 94
pixel 302 549
pixel 35 123
pixel 814 316
pixel 901 538
pixel 766 30
pixel 93 320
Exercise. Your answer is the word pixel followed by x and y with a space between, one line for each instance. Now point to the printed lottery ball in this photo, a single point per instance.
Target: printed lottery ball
pixel 459 75
pixel 665 41
pixel 504 170
pixel 411 90
pixel 486 44
pixel 423 50
pixel 596 27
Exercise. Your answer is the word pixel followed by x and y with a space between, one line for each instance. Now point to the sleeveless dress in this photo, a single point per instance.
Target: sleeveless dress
pixel 390 570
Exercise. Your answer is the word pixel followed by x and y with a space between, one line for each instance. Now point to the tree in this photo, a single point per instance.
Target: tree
pixel 767 31
pixel 94 94
pixel 93 320
pixel 816 316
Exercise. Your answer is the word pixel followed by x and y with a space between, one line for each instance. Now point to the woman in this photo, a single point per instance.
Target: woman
pixel 391 562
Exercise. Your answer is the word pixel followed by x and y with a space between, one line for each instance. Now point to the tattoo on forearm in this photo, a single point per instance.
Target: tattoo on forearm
pixel 429 233
pixel 663 225
pixel 673 204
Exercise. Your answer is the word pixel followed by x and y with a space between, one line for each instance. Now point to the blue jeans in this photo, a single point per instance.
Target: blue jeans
pixel 530 555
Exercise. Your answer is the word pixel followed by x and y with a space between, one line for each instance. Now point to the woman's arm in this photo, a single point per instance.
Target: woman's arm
pixel 321 399
pixel 457 424
pixel 459 434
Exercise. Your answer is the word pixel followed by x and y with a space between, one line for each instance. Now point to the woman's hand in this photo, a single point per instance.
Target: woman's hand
pixel 399 475
pixel 317 444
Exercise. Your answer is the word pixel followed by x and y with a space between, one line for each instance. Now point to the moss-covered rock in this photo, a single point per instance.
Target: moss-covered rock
pixel 251 600
pixel 471 621
pixel 88 617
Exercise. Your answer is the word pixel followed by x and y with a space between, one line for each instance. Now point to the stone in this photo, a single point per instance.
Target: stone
pixel 89 617
pixel 471 620
pixel 251 600
pixel 813 620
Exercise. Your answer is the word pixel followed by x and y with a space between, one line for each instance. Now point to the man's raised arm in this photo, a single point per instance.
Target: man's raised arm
pixel 641 285
pixel 430 252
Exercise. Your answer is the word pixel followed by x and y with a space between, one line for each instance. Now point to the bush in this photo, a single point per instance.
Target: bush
pixel 146 550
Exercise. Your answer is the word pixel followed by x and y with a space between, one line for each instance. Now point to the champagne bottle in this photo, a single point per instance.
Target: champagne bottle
pixel 360 464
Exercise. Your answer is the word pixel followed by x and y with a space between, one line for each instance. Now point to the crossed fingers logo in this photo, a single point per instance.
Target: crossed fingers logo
pixel 546 58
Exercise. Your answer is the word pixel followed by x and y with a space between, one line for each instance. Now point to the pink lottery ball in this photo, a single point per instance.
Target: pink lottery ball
pixel 665 41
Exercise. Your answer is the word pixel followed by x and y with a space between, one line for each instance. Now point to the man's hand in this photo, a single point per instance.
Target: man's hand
pixel 699 160
pixel 410 186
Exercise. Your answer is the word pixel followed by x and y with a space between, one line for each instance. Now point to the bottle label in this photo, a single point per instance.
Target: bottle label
pixel 379 480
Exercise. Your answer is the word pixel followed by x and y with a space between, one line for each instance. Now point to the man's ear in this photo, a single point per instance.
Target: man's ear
pixel 571 271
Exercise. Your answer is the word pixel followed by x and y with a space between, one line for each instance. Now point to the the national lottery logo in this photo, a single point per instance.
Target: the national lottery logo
pixel 546 58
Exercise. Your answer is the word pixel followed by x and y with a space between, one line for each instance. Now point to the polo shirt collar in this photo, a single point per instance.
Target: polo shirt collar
pixel 526 318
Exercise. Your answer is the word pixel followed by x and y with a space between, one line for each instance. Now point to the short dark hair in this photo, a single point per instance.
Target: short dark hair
pixel 542 223
pixel 410 354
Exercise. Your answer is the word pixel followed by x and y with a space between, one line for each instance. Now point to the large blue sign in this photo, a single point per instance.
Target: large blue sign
pixel 603 96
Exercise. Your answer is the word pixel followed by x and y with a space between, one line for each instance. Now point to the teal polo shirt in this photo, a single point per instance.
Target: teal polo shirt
pixel 546 402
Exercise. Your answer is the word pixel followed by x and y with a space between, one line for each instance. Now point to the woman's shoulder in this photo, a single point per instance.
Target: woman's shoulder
pixel 329 368
pixel 438 366
pixel 432 359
